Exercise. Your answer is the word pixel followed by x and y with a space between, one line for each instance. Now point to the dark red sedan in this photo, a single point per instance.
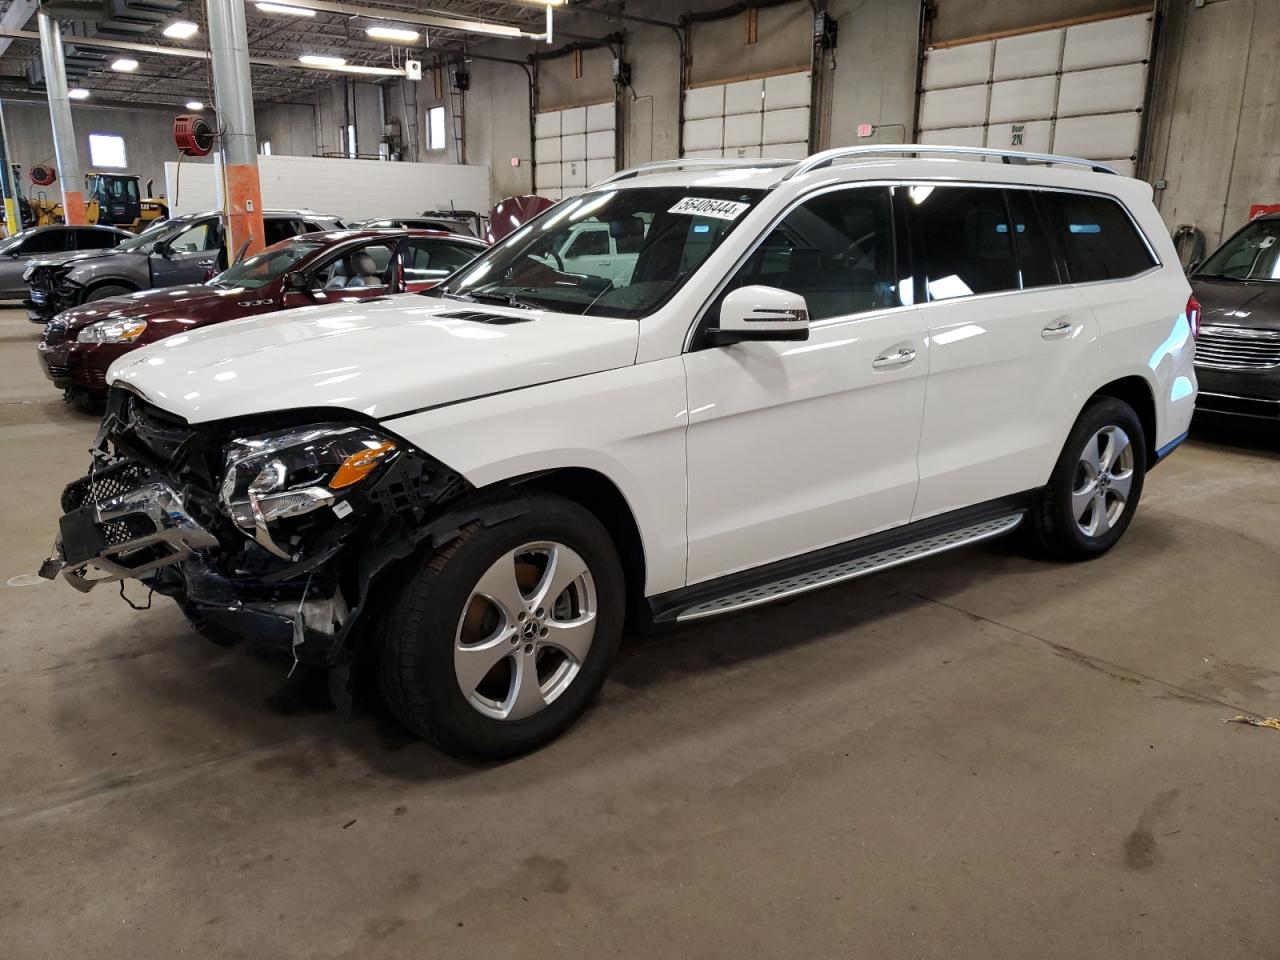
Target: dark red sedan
pixel 79 344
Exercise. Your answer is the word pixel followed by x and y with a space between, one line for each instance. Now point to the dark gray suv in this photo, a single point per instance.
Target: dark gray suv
pixel 186 249
pixel 17 252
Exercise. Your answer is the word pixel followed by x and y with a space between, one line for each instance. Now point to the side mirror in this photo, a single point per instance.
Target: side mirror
pixel 760 313
pixel 162 248
pixel 296 280
pixel 1192 267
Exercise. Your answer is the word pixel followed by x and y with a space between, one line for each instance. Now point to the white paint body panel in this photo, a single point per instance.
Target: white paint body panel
pixel 727 457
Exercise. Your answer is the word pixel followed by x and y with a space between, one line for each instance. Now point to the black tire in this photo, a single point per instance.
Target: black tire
pixel 1053 519
pixel 419 629
pixel 86 402
pixel 108 290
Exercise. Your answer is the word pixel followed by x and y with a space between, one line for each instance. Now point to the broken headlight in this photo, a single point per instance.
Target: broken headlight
pixel 290 473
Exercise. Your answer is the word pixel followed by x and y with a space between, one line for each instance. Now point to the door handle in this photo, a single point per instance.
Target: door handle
pixel 900 359
pixel 1058 329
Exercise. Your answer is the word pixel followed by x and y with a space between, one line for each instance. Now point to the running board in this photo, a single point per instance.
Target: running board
pixel 850 569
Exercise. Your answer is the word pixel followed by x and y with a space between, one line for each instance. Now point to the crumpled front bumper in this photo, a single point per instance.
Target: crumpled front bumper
pixel 119 523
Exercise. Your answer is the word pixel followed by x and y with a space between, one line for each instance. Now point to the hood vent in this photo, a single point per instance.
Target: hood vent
pixel 479 316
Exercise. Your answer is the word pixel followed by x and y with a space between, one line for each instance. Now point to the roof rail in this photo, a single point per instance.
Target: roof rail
pixel 709 163
pixel 828 157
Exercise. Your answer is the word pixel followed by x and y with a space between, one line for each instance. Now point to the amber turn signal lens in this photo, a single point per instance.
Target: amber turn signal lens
pixel 357 466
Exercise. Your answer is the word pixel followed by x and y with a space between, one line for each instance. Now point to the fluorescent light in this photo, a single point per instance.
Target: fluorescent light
pixel 194 105
pixel 285 9
pixel 125 65
pixel 399 34
pixel 312 60
pixel 181 30
pixel 78 93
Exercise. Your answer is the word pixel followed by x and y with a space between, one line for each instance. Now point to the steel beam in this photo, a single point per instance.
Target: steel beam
pixel 238 141
pixel 64 136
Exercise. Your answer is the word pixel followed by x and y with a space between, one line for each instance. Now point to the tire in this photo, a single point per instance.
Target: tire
pixel 1078 518
pixel 107 290
pixel 437 629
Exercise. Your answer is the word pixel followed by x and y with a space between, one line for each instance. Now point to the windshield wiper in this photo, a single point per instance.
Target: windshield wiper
pixel 504 299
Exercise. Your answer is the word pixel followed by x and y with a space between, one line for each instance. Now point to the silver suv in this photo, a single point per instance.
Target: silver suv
pixel 186 249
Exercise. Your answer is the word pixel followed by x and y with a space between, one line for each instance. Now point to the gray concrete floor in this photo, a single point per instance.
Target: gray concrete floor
pixel 983 755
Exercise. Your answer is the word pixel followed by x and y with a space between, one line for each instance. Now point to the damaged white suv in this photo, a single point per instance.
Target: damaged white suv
pixel 784 375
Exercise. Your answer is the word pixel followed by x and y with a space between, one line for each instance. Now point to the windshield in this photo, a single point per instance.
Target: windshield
pixel 611 253
pixel 1252 254
pixel 144 241
pixel 261 269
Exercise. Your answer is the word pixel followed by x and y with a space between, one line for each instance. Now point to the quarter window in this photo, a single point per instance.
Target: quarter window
pixel 835 250
pixel 968 245
pixel 1097 237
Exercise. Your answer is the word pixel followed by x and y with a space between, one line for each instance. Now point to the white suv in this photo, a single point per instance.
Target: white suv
pixel 807 372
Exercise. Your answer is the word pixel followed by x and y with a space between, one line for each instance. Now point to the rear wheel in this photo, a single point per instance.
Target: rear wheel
pixel 1095 487
pixel 497 643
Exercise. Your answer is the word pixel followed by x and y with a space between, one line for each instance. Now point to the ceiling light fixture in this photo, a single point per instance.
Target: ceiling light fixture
pixel 312 60
pixel 194 105
pixel 125 65
pixel 181 30
pixel 398 34
pixel 78 93
pixel 285 10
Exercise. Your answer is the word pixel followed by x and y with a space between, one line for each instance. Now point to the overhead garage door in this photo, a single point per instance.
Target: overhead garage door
pixel 573 148
pixel 1075 90
pixel 762 117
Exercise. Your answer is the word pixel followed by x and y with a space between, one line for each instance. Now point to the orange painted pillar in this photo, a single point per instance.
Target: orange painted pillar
pixel 65 148
pixel 229 56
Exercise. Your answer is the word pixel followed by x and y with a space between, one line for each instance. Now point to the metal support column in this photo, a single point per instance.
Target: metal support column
pixel 64 135
pixel 229 51
pixel 12 219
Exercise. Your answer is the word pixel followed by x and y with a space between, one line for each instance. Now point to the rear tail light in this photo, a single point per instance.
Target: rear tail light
pixel 1193 315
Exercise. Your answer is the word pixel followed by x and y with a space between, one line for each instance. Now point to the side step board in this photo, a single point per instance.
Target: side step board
pixel 848 569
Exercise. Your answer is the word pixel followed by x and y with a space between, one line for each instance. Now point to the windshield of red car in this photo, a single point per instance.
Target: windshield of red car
pixel 261 269
pixel 1252 254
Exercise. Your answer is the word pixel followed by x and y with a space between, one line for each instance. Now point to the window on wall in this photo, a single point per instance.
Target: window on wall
pixel 264 147
pixel 106 150
pixel 435 129
pixel 351 140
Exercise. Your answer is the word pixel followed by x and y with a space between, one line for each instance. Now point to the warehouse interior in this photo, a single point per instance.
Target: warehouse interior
pixel 986 753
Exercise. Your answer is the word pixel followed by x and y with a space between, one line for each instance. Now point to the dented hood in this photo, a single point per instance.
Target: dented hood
pixel 381 357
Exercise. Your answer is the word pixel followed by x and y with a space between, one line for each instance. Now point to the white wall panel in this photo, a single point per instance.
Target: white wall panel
pixel 547 124
pixel 1037 136
pixel 1106 137
pixel 745 96
pixel 573 120
pixel 703 102
pixel 744 130
pixel 959 66
pixel 1108 90
pixel 953 107
pixel 955 136
pixel 704 154
pixel 599 169
pixel 1107 42
pixel 1022 99
pixel 600 145
pixel 574 174
pixel 787 90
pixel 546 150
pixel 325 184
pixel 703 134
pixel 1028 55
pixel 786 126
pixel 546 175
pixel 573 147
pixel 797 150
pixel 742 153
pixel 599 117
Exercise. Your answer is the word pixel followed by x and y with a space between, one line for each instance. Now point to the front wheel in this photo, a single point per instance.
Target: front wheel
pixel 499 640
pixel 1095 487
pixel 107 290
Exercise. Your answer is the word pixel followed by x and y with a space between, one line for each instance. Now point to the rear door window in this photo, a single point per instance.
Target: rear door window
pixel 967 240
pixel 95 239
pixel 1037 264
pixel 426 260
pixel 275 230
pixel 46 241
pixel 1098 239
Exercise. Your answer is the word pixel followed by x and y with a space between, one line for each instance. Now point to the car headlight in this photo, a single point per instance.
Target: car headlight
pixel 112 331
pixel 289 473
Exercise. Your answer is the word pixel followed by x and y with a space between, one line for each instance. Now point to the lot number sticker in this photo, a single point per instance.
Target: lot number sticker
pixel 707 207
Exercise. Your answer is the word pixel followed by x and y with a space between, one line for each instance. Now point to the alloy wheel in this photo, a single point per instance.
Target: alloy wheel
pixel 1103 481
pixel 525 631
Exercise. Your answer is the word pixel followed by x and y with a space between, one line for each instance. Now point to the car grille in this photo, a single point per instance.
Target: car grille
pixel 59 371
pixel 1238 348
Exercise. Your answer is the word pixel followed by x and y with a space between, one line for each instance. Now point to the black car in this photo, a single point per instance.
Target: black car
pixel 1238 350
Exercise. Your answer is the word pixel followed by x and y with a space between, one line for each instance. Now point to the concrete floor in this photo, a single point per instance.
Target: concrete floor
pixel 982 755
